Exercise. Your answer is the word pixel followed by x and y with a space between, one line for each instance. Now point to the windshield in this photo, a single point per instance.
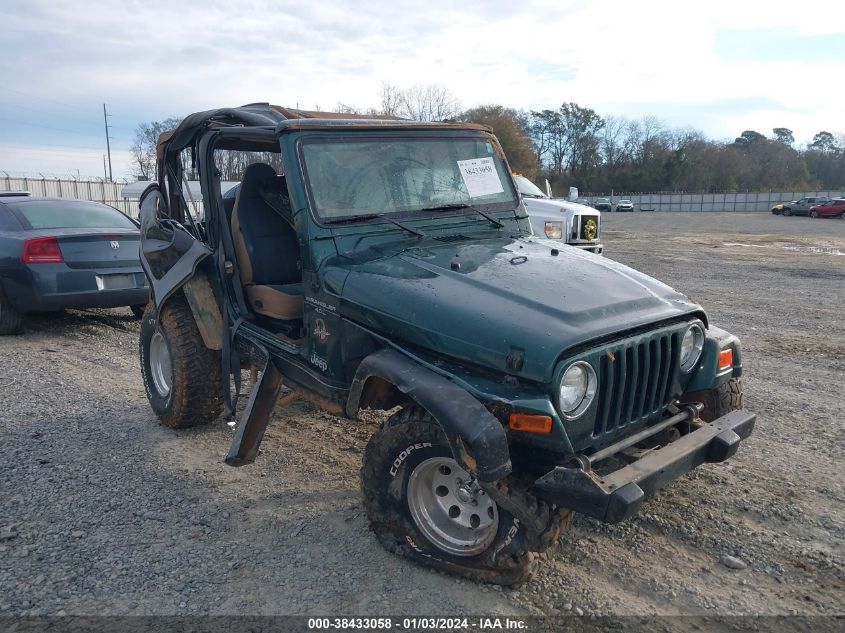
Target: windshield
pixel 350 177
pixel 528 188
pixel 70 214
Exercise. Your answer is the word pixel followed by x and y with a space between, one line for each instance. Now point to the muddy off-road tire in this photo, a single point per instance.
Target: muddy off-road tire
pixel 718 402
pixel 418 509
pixel 182 377
pixel 10 319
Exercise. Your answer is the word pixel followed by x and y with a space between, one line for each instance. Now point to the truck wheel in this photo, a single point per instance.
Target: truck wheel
pixel 424 506
pixel 720 401
pixel 10 319
pixel 786 211
pixel 182 377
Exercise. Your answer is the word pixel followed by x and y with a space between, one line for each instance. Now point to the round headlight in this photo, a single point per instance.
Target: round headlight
pixel 577 389
pixel 691 346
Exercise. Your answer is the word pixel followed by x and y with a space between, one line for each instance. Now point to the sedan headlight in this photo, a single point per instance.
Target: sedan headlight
pixel 554 230
pixel 691 346
pixel 577 389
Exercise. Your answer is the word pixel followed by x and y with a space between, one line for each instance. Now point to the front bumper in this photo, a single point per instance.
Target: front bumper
pixel 588 246
pixel 618 495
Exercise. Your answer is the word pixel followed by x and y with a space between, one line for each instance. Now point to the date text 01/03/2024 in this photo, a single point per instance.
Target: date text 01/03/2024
pixel 422 623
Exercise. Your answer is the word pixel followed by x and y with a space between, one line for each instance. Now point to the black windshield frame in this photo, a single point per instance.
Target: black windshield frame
pixel 425 213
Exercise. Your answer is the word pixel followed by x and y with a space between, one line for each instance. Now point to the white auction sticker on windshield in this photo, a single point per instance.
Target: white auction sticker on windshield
pixel 480 177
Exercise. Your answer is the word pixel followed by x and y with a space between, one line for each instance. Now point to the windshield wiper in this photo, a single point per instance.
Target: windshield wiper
pixel 461 205
pixel 373 216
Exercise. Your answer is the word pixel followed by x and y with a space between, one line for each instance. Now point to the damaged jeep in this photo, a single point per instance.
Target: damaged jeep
pixel 390 265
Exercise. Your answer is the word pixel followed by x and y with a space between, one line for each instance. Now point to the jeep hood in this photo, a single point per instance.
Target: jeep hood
pixel 479 301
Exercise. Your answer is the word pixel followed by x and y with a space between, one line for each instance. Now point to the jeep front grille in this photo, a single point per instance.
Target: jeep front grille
pixel 636 381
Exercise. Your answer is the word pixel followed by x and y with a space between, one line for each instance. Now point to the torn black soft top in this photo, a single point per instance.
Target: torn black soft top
pixel 250 115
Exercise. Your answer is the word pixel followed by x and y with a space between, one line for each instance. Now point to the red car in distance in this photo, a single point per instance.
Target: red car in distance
pixel 831 209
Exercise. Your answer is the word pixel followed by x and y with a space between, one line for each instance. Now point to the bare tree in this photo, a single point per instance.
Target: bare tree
pixel 143 148
pixel 391 100
pixel 430 102
pixel 612 140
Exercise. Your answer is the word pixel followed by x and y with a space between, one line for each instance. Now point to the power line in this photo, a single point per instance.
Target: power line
pixel 63 117
pixel 59 129
pixel 29 94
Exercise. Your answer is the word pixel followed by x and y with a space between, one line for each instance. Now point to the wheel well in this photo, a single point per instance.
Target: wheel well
pixel 382 394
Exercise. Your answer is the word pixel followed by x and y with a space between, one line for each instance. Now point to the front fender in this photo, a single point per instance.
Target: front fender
pixel 708 376
pixel 477 438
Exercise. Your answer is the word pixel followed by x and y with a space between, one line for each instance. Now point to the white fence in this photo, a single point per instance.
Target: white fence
pixel 745 201
pixel 113 193
pixel 99 190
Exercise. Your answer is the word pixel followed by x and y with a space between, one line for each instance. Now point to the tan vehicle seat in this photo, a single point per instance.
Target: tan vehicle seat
pixel 266 245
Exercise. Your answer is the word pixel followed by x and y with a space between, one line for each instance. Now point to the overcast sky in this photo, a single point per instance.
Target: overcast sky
pixel 721 66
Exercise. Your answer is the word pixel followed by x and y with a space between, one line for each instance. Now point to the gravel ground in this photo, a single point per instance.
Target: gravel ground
pixel 102 511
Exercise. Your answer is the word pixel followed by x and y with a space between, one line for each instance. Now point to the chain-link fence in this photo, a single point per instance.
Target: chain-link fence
pixel 92 189
pixel 680 201
pixel 112 193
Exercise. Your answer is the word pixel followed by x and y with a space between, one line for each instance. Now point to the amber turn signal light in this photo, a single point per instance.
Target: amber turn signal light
pixel 726 358
pixel 530 423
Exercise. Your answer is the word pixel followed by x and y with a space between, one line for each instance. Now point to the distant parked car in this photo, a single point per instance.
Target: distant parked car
pixel 57 253
pixel 572 223
pixel 602 204
pixel 625 205
pixel 799 207
pixel 831 209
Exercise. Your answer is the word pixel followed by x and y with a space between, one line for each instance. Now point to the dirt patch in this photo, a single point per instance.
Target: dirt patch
pixel 106 512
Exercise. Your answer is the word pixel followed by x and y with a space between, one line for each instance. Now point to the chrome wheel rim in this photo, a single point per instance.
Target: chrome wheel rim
pixel 450 509
pixel 161 367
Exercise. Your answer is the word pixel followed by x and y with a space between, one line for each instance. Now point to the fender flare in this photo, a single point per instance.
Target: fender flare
pixel 204 308
pixel 477 439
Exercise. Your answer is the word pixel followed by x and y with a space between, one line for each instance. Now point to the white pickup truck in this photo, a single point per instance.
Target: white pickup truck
pixel 575 224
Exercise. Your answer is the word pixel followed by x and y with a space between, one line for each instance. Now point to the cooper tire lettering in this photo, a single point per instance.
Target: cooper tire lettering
pixel 397 463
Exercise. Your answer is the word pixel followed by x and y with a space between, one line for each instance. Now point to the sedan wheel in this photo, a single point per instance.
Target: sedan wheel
pixel 813 214
pixel 10 319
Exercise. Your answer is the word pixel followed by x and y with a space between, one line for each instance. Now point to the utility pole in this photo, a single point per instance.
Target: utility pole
pixel 105 173
pixel 108 146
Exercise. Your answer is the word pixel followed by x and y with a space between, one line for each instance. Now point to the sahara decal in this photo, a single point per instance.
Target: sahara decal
pixel 321 332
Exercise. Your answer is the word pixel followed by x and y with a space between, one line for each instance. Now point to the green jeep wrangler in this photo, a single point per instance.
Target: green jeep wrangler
pixel 390 265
